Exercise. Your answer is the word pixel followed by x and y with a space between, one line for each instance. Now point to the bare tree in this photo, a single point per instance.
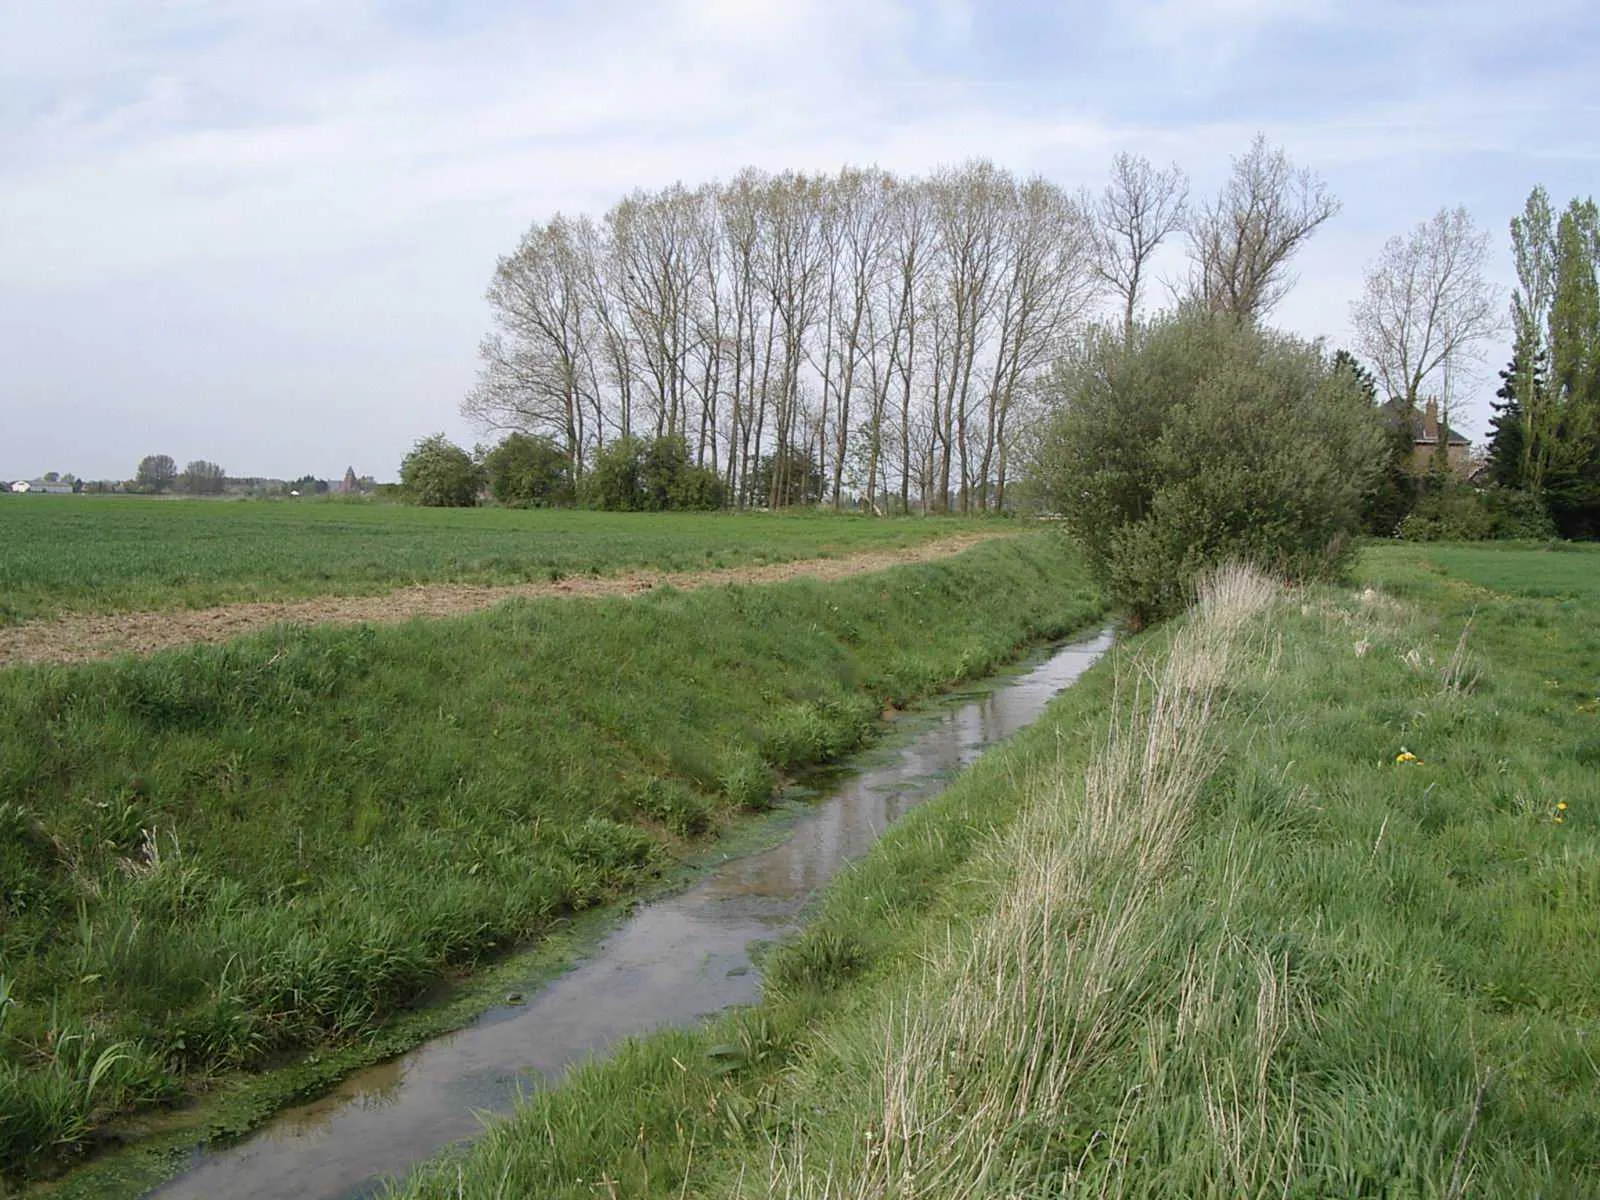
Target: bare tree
pixel 1048 280
pixel 740 205
pixel 794 271
pixel 862 230
pixel 910 258
pixel 1427 307
pixel 969 208
pixel 1242 241
pixel 653 238
pixel 536 374
pixel 1138 210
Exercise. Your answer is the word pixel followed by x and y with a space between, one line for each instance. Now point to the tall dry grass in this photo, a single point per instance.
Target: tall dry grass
pixel 981 1062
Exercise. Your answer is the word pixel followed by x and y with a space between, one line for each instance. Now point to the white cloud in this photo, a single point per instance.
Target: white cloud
pixel 183 184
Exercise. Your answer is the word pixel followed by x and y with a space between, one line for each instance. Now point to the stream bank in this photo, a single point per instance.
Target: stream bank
pixel 672 963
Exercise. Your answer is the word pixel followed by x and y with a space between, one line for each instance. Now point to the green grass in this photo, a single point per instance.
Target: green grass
pixel 1297 966
pixel 1558 570
pixel 115 554
pixel 220 854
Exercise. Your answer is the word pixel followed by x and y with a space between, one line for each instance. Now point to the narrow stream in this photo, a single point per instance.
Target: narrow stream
pixel 672 963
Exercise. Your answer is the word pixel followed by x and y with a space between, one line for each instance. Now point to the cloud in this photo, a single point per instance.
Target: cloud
pixel 213 208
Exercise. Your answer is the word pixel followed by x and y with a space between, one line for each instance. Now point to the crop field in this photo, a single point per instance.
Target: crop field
pixel 220 854
pixel 102 554
pixel 1298 896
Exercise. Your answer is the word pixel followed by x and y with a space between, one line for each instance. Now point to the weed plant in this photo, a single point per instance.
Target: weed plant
pixel 1305 906
pixel 125 553
pixel 215 856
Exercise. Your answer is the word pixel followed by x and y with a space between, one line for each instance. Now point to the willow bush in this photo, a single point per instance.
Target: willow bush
pixel 1202 439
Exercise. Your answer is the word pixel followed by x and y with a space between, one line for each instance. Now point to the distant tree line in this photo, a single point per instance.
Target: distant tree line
pixel 158 474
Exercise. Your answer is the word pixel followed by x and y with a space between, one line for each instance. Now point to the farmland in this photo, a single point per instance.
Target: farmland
pixel 93 554
pixel 1294 896
pixel 218 855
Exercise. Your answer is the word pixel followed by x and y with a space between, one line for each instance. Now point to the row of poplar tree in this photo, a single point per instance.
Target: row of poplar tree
pixel 859 334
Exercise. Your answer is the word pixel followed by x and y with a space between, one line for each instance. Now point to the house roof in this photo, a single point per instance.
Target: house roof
pixel 1394 411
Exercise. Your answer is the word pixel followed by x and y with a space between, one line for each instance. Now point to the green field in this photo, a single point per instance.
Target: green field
pixel 120 554
pixel 1298 902
pixel 1565 571
pixel 218 855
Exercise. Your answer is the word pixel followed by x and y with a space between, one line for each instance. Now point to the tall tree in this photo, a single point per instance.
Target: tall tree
pixel 1241 241
pixel 156 472
pixel 1427 309
pixel 1137 211
pixel 1508 435
pixel 969 204
pixel 1551 414
pixel 1533 253
pixel 861 228
pixel 202 478
pixel 1569 456
pixel 537 373
pixel 1047 280
pixel 1575 306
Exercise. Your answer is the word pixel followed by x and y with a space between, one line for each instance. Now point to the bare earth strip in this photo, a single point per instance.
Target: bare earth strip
pixel 76 639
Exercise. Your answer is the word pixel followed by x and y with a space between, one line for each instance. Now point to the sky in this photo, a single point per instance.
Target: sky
pixel 260 233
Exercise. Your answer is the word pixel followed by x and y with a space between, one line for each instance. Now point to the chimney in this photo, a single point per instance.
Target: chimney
pixel 1430 421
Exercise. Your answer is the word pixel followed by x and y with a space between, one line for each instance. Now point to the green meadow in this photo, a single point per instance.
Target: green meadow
pixel 1296 896
pixel 125 553
pixel 220 856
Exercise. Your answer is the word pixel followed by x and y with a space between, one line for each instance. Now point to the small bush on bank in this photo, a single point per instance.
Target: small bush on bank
pixel 1204 440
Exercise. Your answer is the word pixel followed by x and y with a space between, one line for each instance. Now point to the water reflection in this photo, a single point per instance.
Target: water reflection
pixel 671 963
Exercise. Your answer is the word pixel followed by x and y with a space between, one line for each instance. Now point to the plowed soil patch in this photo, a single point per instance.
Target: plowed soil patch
pixel 78 639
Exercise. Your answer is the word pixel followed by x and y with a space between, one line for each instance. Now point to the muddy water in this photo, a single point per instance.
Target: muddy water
pixel 672 962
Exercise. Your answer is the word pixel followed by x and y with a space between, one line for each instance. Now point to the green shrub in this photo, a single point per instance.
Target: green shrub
pixel 1395 495
pixel 1200 441
pixel 1459 513
pixel 633 475
pixel 439 474
pixel 528 472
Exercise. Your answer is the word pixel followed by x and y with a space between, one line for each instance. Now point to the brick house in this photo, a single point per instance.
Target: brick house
pixel 1427 435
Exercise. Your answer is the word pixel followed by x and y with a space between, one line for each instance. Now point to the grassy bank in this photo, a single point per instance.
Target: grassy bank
pixel 1297 899
pixel 215 856
pixel 124 553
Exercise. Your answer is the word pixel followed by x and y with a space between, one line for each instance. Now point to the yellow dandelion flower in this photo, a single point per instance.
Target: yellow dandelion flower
pixel 1561 806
